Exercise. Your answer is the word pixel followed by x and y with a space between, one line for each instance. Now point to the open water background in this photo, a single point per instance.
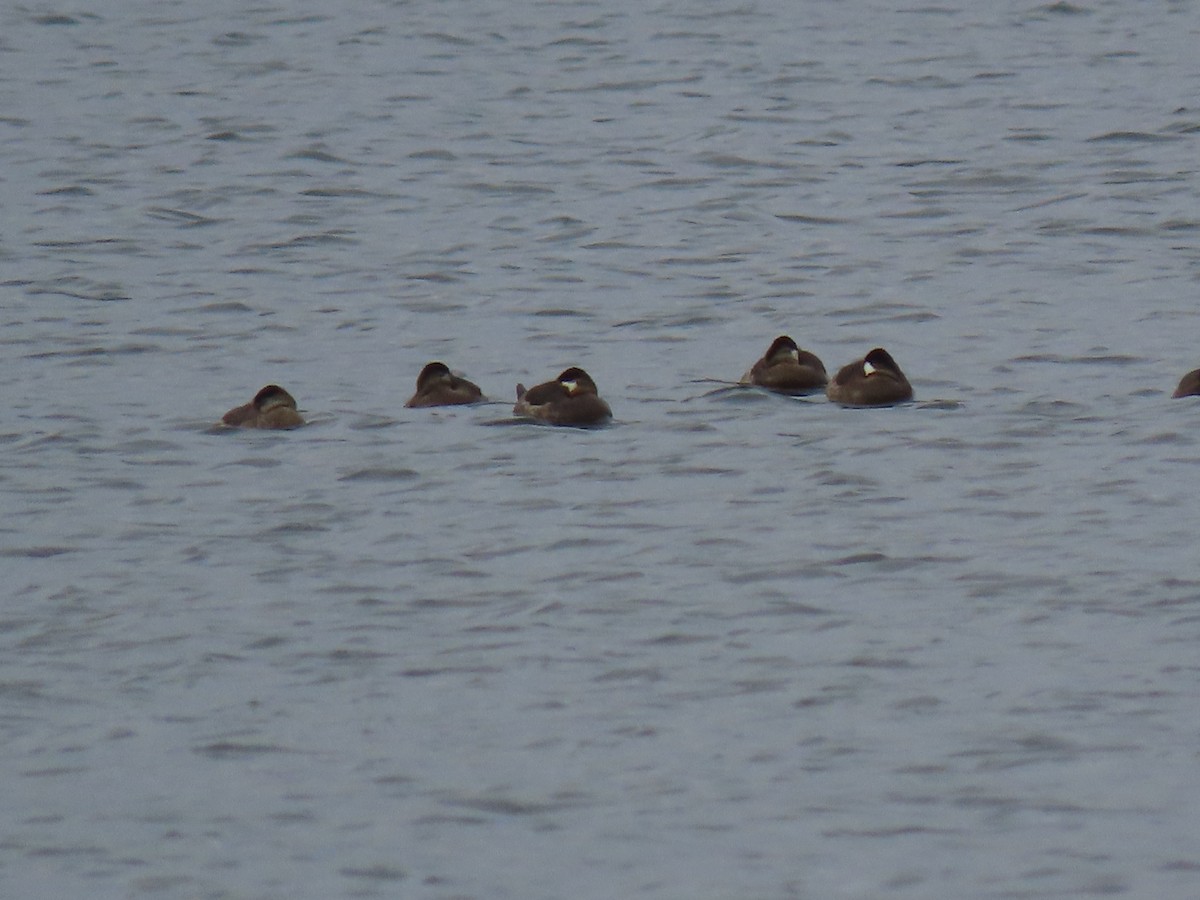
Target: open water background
pixel 734 645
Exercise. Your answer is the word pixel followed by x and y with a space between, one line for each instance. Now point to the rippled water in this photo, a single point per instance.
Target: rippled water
pixel 733 645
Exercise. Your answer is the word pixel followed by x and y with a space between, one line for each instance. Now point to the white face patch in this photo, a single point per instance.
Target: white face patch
pixel 868 369
pixel 795 355
pixel 571 386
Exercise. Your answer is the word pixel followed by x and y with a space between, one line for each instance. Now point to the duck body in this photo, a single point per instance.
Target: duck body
pixel 874 380
pixel 786 369
pixel 272 407
pixel 438 386
pixel 571 399
pixel 1189 385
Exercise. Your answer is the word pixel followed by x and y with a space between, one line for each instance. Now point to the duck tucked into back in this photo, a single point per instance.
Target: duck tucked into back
pixel 272 407
pixel 1189 385
pixel 438 386
pixel 874 380
pixel 571 399
pixel 787 369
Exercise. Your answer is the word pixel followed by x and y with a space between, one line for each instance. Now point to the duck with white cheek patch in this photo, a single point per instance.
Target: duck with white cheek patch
pixel 786 369
pixel 874 380
pixel 571 399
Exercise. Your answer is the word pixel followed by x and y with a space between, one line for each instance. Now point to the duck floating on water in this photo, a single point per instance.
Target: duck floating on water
pixel 571 399
pixel 272 407
pixel 874 380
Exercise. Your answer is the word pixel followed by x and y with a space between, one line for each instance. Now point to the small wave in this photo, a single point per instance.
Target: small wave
pixel 380 474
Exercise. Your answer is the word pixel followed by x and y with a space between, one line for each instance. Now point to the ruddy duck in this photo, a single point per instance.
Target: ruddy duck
pixel 787 369
pixel 272 407
pixel 874 380
pixel 437 386
pixel 571 399
pixel 1189 385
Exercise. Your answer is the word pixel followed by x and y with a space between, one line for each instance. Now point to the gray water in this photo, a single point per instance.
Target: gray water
pixel 732 645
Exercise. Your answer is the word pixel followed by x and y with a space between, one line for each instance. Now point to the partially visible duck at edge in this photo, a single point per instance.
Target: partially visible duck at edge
pixel 571 399
pixel 438 386
pixel 874 380
pixel 272 407
pixel 1189 385
pixel 786 369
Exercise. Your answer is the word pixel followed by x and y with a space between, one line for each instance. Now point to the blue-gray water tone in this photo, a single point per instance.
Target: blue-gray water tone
pixel 733 645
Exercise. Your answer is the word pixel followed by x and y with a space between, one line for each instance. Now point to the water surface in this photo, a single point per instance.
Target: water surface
pixel 731 645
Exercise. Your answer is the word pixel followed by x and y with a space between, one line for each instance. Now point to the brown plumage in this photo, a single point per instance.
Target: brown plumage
pixel 438 386
pixel 1189 385
pixel 874 380
pixel 571 399
pixel 272 407
pixel 787 369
